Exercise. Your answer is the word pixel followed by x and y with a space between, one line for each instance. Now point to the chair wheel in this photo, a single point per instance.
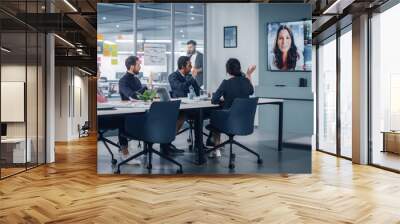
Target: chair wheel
pixel 188 140
pixel 179 171
pixel 259 161
pixel 231 166
pixel 190 147
pixel 114 161
pixel 117 172
pixel 149 166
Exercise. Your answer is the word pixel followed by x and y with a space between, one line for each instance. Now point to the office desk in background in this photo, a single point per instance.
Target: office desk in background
pixel 119 108
pixel 13 150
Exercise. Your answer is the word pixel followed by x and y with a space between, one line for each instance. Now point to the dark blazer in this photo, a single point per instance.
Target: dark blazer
pixel 180 84
pixel 130 86
pixel 199 64
pixel 236 87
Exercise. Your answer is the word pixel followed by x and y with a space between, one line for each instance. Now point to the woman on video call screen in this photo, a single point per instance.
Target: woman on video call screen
pixel 288 46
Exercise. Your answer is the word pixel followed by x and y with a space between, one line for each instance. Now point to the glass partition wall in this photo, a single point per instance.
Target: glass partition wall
pixel 385 90
pixel 346 92
pixel 327 96
pixel 22 77
pixel 334 104
pixel 126 29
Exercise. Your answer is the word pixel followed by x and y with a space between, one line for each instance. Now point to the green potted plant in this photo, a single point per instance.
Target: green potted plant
pixel 148 95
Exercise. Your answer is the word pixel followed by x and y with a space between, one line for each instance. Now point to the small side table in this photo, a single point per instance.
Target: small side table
pixel 391 141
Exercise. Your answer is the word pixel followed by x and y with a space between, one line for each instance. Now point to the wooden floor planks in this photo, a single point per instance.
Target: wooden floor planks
pixel 70 191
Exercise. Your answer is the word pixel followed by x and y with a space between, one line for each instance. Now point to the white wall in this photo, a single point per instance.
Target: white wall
pixel 33 125
pixel 71 94
pixel 61 103
pixel 314 90
pixel 80 103
pixel 50 96
pixel 245 17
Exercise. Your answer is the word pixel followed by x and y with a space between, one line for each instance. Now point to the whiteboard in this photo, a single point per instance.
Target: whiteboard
pixel 12 101
pixel 154 54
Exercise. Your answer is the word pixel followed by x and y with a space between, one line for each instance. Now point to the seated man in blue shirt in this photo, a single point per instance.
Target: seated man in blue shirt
pixel 129 87
pixel 181 79
pixel 129 84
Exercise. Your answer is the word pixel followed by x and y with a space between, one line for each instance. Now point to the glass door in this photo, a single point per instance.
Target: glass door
pixel 346 93
pixel 326 136
pixel 22 76
pixel 14 145
pixel 385 90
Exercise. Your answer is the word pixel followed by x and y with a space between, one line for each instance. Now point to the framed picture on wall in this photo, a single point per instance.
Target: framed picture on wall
pixel 230 37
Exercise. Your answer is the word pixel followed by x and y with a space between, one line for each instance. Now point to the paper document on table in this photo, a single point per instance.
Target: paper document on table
pixel 189 101
pixel 130 105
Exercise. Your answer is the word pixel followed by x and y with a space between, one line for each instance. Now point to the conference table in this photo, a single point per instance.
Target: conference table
pixel 120 108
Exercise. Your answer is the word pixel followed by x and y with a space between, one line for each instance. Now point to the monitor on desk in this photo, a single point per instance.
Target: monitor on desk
pixel 3 130
pixel 163 94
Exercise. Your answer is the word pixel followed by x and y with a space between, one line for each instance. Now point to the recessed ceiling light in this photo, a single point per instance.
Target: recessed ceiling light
pixel 70 5
pixel 117 25
pixel 183 36
pixel 191 6
pixel 104 18
pixel 5 49
pixel 43 7
pixel 181 31
pixel 192 18
pixel 64 40
pixel 84 71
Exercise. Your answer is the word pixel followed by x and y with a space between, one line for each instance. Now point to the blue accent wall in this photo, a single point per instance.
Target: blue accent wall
pixel 298 114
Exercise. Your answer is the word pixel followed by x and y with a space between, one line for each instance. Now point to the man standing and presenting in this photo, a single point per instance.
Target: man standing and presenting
pixel 197 61
pixel 129 87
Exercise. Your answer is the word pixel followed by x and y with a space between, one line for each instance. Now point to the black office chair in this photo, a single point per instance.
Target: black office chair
pixel 238 120
pixel 190 128
pixel 107 124
pixel 83 131
pixel 158 125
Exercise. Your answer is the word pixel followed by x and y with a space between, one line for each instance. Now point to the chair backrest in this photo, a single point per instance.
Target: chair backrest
pixel 86 125
pixel 241 116
pixel 160 126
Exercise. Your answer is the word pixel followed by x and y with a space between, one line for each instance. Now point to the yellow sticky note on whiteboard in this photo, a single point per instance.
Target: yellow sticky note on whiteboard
pixel 114 50
pixel 106 50
pixel 100 37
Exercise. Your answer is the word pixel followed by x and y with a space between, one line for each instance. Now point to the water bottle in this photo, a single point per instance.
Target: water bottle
pixel 191 92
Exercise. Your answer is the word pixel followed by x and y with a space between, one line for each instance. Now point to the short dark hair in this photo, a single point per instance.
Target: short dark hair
pixel 182 61
pixel 191 42
pixel 233 67
pixel 131 60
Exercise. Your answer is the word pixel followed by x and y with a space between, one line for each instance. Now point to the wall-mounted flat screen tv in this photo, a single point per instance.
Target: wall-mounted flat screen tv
pixel 289 46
